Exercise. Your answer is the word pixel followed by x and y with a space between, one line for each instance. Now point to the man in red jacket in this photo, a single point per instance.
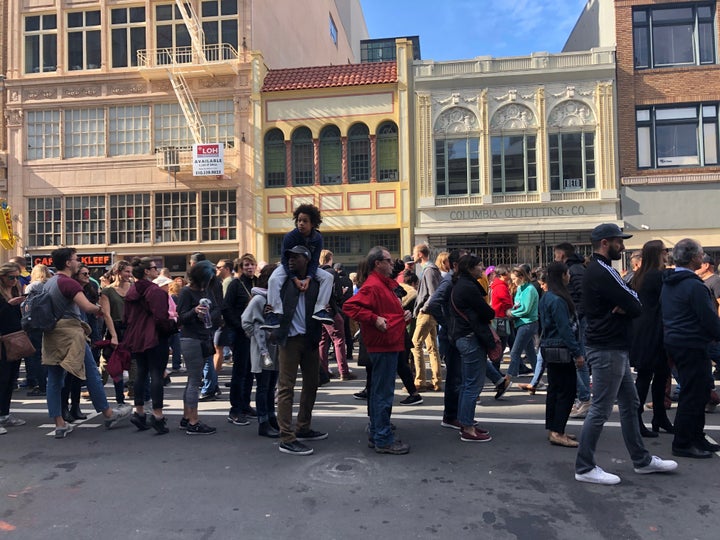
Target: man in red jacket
pixel 382 326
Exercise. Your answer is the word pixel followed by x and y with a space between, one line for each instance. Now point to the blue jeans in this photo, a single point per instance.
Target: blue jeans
pixel 93 381
pixel 539 368
pixel 524 341
pixel 583 372
pixel 453 379
pixel 210 377
pixel 174 343
pixel 474 362
pixel 611 379
pixel 382 392
pixel 265 394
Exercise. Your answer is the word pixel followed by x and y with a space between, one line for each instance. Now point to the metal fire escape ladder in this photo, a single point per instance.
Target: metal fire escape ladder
pixel 179 84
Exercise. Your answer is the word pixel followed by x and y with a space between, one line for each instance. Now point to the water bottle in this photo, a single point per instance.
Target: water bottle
pixel 267 361
pixel 206 303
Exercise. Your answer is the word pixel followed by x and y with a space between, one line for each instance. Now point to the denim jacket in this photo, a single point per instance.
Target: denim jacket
pixel 558 328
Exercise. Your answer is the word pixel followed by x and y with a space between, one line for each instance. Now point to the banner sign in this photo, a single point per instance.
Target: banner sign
pixel 7 236
pixel 208 159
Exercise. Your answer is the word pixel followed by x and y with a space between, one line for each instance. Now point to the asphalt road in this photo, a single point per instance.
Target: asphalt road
pixel 124 484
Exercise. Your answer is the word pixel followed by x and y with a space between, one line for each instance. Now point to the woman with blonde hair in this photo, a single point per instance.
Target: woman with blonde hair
pixel 10 316
pixel 36 372
pixel 442 261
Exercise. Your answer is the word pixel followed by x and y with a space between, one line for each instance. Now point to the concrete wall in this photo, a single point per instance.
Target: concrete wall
pixel 594 28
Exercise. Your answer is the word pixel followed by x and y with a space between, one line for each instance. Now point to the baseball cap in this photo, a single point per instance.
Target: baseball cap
pixel 607 230
pixel 299 250
pixel 161 281
pixel 407 259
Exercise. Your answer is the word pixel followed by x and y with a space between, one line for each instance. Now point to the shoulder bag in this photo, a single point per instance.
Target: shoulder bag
pixel 17 345
pixel 494 353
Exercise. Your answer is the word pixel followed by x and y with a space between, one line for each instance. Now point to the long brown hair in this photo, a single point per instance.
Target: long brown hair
pixel 652 259
pixel 6 269
pixel 554 274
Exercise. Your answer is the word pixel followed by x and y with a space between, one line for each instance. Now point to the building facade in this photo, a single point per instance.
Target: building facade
pixel 668 85
pixel 338 137
pixel 515 155
pixel 105 101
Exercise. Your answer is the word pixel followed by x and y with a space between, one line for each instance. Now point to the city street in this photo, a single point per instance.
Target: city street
pixel 100 484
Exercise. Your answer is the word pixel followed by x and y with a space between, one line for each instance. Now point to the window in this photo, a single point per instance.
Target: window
pixel 677 136
pixel 391 241
pixel 274 158
pixel 84 133
pixel 176 217
pixel 85 220
pixel 333 31
pixel 44 218
pixel 330 156
pixel 387 152
pixel 128 35
pixel 219 215
pixel 514 163
pixel 220 25
pixel 379 50
pixel 359 153
pixel 338 243
pixel 40 43
pixel 457 167
pixel 572 161
pixel 673 36
pixel 43 134
pixel 171 36
pixel 171 127
pixel 302 157
pixel 129 132
pixel 130 218
pixel 83 40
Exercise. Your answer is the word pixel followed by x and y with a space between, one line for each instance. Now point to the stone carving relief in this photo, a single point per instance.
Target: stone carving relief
pixel 570 91
pixel 215 83
pixel 161 86
pixel 40 93
pixel 128 89
pixel 571 113
pixel 14 117
pixel 456 98
pixel 514 116
pixel 77 92
pixel 456 120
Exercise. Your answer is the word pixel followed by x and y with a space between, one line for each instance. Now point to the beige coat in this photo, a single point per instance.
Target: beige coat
pixel 64 346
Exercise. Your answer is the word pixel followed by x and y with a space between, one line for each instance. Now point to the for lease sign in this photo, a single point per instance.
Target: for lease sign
pixel 208 159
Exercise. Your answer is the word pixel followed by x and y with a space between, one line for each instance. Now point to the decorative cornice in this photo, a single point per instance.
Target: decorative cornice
pixel 456 120
pixel 571 113
pixel 514 116
pixel 40 93
pixel 128 89
pixel 79 92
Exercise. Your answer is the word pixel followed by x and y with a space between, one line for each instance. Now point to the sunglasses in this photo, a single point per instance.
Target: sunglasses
pixel 11 277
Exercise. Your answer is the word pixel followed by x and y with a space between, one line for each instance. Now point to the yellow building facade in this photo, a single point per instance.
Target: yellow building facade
pixel 338 137
pixel 515 155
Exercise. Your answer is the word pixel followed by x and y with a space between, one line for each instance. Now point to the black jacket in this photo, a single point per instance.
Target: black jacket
pixel 290 297
pixel 469 312
pixel 647 341
pixel 603 290
pixel 576 266
pixel 690 319
pixel 237 297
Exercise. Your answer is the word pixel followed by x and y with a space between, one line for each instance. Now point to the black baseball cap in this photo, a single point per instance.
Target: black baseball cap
pixel 607 230
pixel 299 250
pixel 407 259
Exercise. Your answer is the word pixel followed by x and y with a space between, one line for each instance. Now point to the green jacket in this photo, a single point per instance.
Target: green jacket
pixel 525 309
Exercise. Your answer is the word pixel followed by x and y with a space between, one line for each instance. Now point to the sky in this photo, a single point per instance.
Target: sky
pixel 461 29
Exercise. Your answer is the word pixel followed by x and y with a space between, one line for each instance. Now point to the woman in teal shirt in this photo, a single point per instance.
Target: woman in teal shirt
pixel 524 314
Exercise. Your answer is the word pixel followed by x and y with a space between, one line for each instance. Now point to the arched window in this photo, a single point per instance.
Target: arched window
pixel 330 156
pixel 274 158
pixel 387 153
pixel 457 163
pixel 302 157
pixel 513 148
pixel 359 153
pixel 571 145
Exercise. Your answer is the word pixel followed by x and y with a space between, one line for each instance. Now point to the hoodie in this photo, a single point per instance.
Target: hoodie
pixel 690 319
pixel 145 303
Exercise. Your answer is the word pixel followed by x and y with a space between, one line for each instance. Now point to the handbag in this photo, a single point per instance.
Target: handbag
pixel 118 362
pixel 556 355
pixel 17 345
pixel 503 326
pixel 494 353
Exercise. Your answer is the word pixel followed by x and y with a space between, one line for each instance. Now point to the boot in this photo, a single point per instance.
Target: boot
pixel 66 415
pixel 76 413
pixel 266 430
pixel 273 423
pixel 645 432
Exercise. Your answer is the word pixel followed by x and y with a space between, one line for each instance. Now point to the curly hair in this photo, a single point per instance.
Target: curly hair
pixel 312 211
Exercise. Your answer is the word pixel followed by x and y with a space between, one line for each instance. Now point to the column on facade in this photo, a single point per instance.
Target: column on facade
pixel 541 154
pixel 605 137
pixel 424 146
pixel 316 161
pixel 345 172
pixel 486 176
pixel 288 163
pixel 373 158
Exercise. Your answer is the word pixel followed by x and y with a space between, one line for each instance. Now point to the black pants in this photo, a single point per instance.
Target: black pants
pixel 562 382
pixel 153 362
pixel 241 380
pixel 695 378
pixel 8 376
pixel 659 376
pixel 71 389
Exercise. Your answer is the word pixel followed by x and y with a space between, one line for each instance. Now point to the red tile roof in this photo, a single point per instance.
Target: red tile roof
pixel 330 76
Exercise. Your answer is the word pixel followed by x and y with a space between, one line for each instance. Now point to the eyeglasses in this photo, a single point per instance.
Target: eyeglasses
pixel 84 273
pixel 388 260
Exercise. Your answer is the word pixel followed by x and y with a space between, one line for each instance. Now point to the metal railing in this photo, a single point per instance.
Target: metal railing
pixel 165 57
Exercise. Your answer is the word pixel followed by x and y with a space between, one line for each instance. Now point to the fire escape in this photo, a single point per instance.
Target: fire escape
pixel 178 64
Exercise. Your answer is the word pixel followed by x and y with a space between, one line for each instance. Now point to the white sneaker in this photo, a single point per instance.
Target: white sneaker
pixel 581 410
pixel 657 465
pixel 3 431
pixel 11 421
pixel 122 412
pixel 598 476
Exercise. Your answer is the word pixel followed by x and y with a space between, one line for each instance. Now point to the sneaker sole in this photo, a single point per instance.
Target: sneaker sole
pixel 201 433
pixel 320 438
pixel 419 402
pixel 463 439
pixel 303 453
pixel 379 450
pixel 451 426
pixel 237 423
pixel 593 481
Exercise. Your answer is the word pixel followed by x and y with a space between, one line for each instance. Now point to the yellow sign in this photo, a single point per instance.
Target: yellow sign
pixel 7 237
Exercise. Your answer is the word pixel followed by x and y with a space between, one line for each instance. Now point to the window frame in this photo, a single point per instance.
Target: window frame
pixel 84 132
pixel 646 23
pixel 527 163
pixel 179 36
pixel 44 37
pixel 588 177
pixel 45 221
pixel 218 211
pixel 130 218
pixel 128 30
pixel 472 182
pixel 86 33
pixel 45 133
pixel 223 21
pixel 358 154
pixel 330 156
pixel 85 220
pixel 388 152
pixel 303 157
pixel 274 153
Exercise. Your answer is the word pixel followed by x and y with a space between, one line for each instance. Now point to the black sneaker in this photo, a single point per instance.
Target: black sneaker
pixel 396 448
pixel 310 435
pixel 272 321
pixel 139 421
pixel 251 412
pixel 362 394
pixel 412 400
pixel 184 424
pixel 323 316
pixel 200 429
pixel 207 397
pixel 295 447
pixel 238 419
pixel 159 424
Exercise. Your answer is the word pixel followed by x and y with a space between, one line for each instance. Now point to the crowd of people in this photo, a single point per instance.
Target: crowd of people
pixel 577 322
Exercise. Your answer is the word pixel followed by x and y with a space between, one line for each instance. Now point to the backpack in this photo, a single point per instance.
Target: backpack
pixel 38 309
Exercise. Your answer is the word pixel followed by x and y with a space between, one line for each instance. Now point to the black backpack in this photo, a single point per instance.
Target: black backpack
pixel 38 309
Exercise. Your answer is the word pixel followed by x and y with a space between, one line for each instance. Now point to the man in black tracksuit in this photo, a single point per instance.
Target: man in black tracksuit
pixel 609 306
pixel 690 322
